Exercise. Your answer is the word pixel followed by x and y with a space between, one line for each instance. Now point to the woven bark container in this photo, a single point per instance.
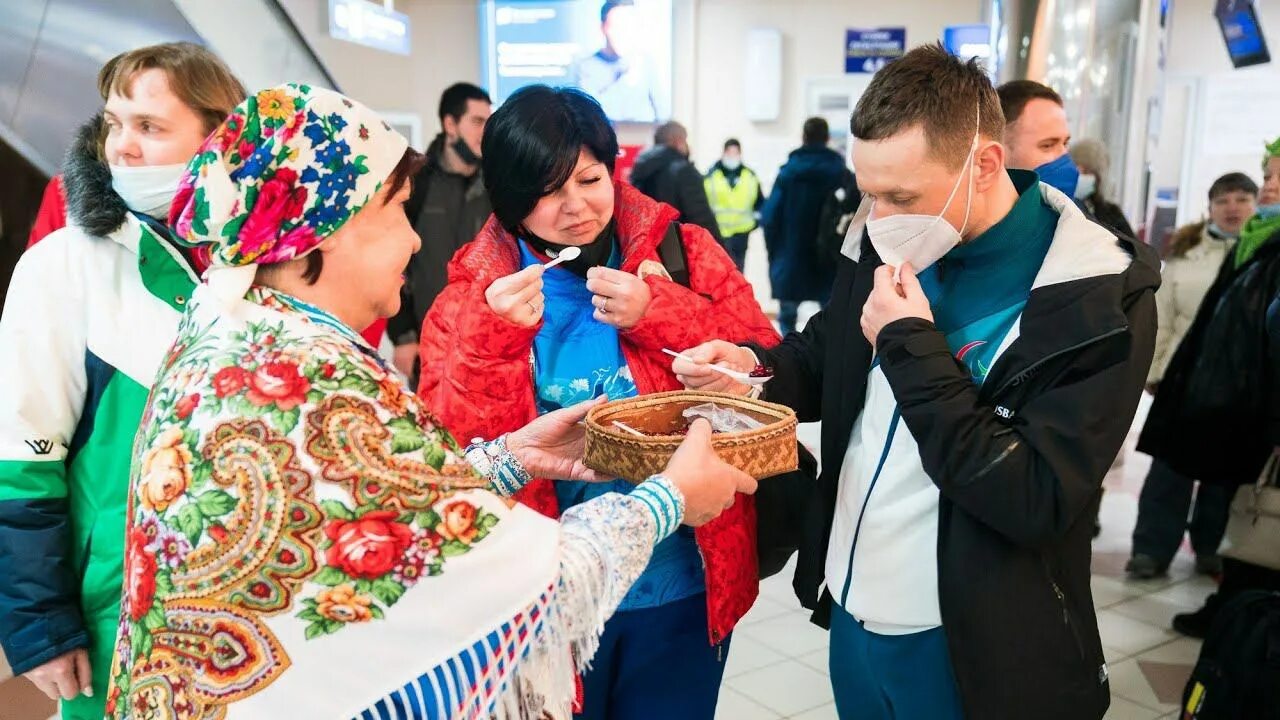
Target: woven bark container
pixel 761 453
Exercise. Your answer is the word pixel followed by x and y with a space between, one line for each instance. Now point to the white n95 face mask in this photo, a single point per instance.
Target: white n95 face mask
pixel 922 240
pixel 148 189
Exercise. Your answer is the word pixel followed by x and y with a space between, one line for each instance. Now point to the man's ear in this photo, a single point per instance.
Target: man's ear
pixel 449 124
pixel 989 162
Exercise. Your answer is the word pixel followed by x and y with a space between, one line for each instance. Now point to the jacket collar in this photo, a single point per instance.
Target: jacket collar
pixel 91 202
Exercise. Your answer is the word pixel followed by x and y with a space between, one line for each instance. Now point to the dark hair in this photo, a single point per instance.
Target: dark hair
pixel 453 101
pixel 816 131
pixel 1015 94
pixel 732 143
pixel 1232 182
pixel 668 132
pixel 610 5
pixel 936 90
pixel 410 163
pixel 531 145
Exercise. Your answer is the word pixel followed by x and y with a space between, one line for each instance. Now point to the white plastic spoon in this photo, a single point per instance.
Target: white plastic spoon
pixel 623 426
pixel 567 254
pixel 735 374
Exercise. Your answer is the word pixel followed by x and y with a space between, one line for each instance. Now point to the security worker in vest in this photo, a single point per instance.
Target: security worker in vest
pixel 735 195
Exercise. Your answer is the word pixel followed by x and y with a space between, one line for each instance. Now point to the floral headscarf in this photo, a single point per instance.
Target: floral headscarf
pixel 287 168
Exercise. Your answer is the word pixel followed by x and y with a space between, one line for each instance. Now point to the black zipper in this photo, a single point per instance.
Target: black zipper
pixel 1033 367
pixel 1062 602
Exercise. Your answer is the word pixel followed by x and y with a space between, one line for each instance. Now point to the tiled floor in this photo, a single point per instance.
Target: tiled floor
pixel 778 665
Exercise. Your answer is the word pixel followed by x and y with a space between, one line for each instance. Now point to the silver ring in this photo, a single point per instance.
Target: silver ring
pixel 604 306
pixel 532 307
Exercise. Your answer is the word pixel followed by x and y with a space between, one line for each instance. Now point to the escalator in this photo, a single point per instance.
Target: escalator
pixel 50 53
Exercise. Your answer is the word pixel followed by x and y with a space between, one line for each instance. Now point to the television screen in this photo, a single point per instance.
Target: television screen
pixel 619 52
pixel 1242 33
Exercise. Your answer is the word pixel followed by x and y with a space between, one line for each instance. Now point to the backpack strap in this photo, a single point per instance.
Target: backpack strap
pixel 672 254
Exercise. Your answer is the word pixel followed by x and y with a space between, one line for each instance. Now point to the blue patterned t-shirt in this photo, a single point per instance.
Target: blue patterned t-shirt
pixel 577 358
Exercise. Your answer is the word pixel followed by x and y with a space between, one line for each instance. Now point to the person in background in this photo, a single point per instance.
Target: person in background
pixel 447 208
pixel 1211 418
pixel 618 75
pixel 664 173
pixel 736 198
pixel 52 214
pixel 1036 134
pixel 792 218
pixel 1237 575
pixel 92 310
pixel 508 341
pixel 966 430
pixel 1093 162
pixel 1194 257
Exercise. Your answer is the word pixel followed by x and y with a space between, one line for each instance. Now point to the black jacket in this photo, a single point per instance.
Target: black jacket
pixel 447 210
pixel 1019 461
pixel 799 269
pixel 667 176
pixel 1210 415
pixel 1273 372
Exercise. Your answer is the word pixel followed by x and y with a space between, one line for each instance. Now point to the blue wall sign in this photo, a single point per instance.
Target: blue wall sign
pixel 866 51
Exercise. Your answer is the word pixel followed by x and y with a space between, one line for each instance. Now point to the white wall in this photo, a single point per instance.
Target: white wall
pixel 1229 114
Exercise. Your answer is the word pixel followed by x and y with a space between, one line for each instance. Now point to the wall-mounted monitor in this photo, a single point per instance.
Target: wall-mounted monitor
pixel 1242 32
pixel 619 51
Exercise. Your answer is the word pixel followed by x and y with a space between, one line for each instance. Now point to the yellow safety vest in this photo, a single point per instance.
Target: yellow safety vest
pixel 734 206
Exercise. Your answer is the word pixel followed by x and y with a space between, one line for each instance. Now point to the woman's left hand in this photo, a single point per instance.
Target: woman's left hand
pixel 552 445
pixel 620 298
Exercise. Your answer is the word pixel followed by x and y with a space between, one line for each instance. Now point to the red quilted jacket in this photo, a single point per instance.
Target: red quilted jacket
pixel 477 373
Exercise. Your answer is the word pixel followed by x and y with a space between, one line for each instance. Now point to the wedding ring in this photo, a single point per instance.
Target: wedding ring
pixel 532 307
pixel 604 306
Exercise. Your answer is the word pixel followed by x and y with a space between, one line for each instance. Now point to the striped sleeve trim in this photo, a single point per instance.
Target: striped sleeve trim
pixel 664 501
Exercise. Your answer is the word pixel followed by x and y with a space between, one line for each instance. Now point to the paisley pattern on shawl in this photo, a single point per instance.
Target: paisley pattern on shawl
pixel 285 489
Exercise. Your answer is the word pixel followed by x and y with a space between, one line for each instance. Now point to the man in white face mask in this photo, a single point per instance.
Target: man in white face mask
pixel 736 197
pixel 91 312
pixel 975 373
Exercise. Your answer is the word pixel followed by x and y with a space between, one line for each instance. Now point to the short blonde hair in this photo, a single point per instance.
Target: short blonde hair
pixel 197 77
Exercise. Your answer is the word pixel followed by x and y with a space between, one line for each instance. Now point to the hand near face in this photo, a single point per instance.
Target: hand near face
pixel 892 301
pixel 620 298
pixel 517 298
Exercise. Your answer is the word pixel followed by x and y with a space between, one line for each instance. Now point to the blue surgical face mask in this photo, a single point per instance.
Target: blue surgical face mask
pixel 1061 173
pixel 1216 231
pixel 1268 211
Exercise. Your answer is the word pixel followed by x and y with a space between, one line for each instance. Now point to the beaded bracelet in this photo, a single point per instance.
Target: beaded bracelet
pixel 494 461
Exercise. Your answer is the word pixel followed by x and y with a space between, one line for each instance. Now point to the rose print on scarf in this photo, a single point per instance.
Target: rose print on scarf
pixel 278 383
pixel 368 547
pixel 376 555
pixel 165 471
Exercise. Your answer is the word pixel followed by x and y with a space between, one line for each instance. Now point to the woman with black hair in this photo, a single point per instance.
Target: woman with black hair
pixel 507 341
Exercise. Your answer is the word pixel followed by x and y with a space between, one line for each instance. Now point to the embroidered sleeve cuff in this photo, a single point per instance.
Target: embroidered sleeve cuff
pixel 664 501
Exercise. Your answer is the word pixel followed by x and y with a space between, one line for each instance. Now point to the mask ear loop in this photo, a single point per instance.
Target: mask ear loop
pixel 973 151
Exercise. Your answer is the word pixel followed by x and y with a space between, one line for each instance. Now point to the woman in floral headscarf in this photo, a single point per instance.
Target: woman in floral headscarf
pixel 296 513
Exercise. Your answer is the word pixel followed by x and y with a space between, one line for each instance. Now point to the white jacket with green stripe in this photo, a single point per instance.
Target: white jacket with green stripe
pixel 91 312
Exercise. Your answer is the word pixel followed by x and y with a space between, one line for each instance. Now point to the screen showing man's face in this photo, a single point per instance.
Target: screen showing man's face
pixel 621 30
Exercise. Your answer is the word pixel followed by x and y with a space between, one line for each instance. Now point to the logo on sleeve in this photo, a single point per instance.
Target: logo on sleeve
pixel 41 446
